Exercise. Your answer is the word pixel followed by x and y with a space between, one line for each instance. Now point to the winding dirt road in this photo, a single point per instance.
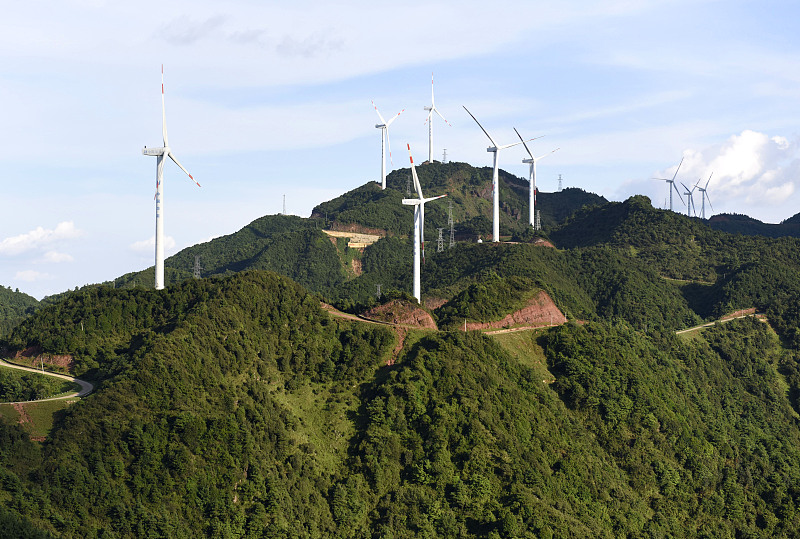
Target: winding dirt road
pixel 86 387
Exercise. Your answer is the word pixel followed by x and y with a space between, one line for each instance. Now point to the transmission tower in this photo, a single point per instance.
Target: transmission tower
pixel 408 186
pixel 197 267
pixel 450 222
pixel 440 241
pixel 559 182
pixel 284 204
pixel 378 291
pixel 444 156
pixel 538 225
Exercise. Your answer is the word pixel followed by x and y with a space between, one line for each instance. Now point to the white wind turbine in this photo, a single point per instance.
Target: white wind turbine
pixel 384 127
pixel 705 197
pixel 690 207
pixel 431 110
pixel 672 185
pixel 495 149
pixel 532 178
pixel 419 212
pixel 161 154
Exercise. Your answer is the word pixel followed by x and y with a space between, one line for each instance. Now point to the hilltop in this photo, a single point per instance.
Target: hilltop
pixel 742 224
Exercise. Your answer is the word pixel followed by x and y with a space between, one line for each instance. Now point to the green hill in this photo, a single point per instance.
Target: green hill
pixel 14 307
pixel 470 191
pixel 236 407
pixel 742 224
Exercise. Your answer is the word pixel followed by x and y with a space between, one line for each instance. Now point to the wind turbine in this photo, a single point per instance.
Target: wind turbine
pixel 532 178
pixel 495 149
pixel 431 110
pixel 419 212
pixel 690 207
pixel 705 197
pixel 384 127
pixel 672 185
pixel 162 153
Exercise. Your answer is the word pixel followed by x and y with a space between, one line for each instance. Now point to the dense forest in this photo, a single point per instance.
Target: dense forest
pixel 14 307
pixel 234 405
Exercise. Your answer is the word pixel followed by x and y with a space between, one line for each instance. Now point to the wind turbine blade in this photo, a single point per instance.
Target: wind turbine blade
pixel 440 116
pixel 479 125
pixel 183 169
pixel 394 117
pixel 709 200
pixel 379 113
pixel 388 144
pixel 545 155
pixel 523 143
pixel 672 183
pixel 417 186
pixel 677 169
pixel 516 143
pixel 709 179
pixel 432 106
pixel 163 110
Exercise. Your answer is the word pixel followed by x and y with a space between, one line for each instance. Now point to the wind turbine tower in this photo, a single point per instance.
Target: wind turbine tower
pixel 689 201
pixel 672 185
pixel 419 208
pixel 162 153
pixel 384 127
pixel 705 197
pixel 532 179
pixel 495 149
pixel 431 110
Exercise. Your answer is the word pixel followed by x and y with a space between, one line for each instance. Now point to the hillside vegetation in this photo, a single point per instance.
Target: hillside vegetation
pixel 234 406
pixel 238 408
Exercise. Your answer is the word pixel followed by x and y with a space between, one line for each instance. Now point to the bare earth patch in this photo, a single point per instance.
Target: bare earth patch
pixel 540 312
pixel 401 313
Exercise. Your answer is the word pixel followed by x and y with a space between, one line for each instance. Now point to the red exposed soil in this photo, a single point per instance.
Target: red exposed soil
pixel 401 312
pixel 740 313
pixel 23 415
pixel 357 269
pixel 540 312
pixel 33 357
pixel 543 243
pixel 434 303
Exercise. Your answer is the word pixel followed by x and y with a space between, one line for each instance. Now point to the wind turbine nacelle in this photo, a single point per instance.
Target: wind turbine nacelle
pixel 153 151
pixel 412 201
pixel 380 126
pixel 528 160
pixel 491 149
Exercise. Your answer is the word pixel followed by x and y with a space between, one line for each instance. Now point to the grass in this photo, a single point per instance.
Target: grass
pixel 40 414
pixel 524 347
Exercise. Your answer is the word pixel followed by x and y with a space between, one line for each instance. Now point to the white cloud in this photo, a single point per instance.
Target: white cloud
pixel 56 257
pixel 32 276
pixel 149 245
pixel 38 238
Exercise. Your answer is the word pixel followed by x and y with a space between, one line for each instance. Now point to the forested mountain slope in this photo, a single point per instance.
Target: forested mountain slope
pixel 14 306
pixel 236 407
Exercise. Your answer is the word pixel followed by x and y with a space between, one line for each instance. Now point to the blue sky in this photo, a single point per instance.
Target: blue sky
pixel 271 98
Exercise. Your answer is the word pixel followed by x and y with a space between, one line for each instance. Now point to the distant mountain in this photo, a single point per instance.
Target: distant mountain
pixel 742 224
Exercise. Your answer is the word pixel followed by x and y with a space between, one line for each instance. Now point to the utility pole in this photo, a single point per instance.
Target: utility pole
pixel 197 267
pixel 450 223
